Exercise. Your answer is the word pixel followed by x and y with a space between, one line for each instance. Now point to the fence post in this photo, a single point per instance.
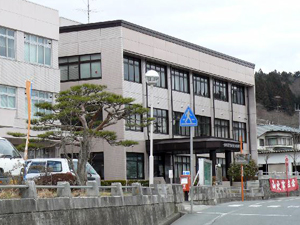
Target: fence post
pixel 64 191
pixel 137 189
pixel 117 191
pixel 29 192
pixel 94 191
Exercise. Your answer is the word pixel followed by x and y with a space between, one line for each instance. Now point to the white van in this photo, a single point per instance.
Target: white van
pixel 10 159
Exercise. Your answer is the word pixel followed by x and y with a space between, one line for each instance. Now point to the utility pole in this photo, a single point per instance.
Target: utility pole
pixel 297 109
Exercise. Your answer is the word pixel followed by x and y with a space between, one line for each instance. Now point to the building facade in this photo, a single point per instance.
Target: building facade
pixel 219 89
pixel 28 51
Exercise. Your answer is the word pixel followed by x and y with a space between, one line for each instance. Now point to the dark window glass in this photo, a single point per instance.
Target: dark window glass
pixel 204 126
pixel 54 166
pixel 239 129
pixel 182 163
pixel 220 90
pixel 97 161
pixel 201 86
pixel 221 128
pixel 80 67
pixel 133 123
pixel 177 129
pixel 135 165
pixel 261 142
pixel 162 82
pixel 238 94
pixel 160 124
pixel 180 80
pixel 132 69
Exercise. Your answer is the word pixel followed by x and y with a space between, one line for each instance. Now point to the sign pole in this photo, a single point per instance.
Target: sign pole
pixel 192 167
pixel 287 175
pixel 242 170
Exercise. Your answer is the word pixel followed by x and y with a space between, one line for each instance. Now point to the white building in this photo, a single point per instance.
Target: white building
pixel 29 36
pixel 274 144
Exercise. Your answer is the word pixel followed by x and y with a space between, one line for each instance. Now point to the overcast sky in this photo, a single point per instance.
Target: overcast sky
pixel 264 32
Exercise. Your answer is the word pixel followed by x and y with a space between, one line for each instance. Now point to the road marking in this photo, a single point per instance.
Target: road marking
pixel 263 215
pixel 255 206
pixel 235 205
pixel 274 206
pixel 293 206
pixel 220 214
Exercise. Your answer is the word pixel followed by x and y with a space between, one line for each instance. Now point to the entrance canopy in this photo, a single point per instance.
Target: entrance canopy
pixel 201 145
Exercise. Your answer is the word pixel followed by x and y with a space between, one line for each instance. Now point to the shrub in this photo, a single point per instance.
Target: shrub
pixel 123 182
pixel 250 171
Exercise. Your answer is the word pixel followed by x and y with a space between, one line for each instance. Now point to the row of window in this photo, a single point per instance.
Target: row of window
pixel 36 49
pixel 160 125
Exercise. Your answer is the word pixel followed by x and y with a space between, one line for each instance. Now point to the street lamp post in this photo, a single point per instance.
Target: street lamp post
pixel 152 78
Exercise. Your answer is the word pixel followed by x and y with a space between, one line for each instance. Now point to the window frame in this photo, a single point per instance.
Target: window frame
pixel 80 62
pixel 198 80
pixel 8 95
pixel 39 100
pixel 7 37
pixel 221 128
pixel 238 94
pixel 158 68
pixel 180 161
pixel 162 118
pixel 241 129
pixel 134 128
pixel 135 60
pixel 136 155
pixel 46 43
pixel 180 131
pixel 203 121
pixel 182 75
pixel 219 84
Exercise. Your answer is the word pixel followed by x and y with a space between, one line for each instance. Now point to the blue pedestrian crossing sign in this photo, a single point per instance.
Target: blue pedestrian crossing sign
pixel 188 119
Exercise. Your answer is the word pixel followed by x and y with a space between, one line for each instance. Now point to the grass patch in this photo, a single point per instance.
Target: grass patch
pixel 46 193
pixel 9 194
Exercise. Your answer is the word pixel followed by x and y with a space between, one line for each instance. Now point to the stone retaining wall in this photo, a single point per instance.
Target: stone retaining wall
pixel 265 184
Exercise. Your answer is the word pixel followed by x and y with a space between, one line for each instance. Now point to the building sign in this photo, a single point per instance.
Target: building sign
pixel 283 185
pixel 231 145
pixel 242 159
pixel 205 172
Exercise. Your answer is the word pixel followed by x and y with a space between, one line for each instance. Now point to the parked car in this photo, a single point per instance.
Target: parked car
pixel 11 161
pixel 52 170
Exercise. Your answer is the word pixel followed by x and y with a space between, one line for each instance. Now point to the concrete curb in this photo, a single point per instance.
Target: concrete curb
pixel 171 219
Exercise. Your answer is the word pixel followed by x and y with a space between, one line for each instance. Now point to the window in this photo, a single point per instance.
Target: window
pixel 80 67
pixel 177 129
pixel 239 129
pixel 182 163
pixel 133 123
pixel 159 168
pixel 180 80
pixel 7 97
pixel 37 167
pixel 238 96
pixel 7 43
pixel 203 128
pixel 54 166
pixel 261 142
pixel 221 161
pixel 132 69
pixel 135 165
pixel 220 90
pixel 162 82
pixel 272 141
pixel 221 128
pixel 201 86
pixel 160 124
pixel 37 49
pixel 38 97
pixel 97 161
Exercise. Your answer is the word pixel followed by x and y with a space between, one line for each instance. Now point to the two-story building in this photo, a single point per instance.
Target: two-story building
pixel 29 36
pixel 219 88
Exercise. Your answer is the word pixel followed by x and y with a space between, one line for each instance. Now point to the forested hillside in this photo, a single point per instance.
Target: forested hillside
pixel 278 91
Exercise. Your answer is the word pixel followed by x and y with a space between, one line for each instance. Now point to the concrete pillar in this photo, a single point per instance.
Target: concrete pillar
pixel 116 189
pixel 137 189
pixel 29 192
pixel 94 191
pixel 227 162
pixel 65 190
pixel 213 158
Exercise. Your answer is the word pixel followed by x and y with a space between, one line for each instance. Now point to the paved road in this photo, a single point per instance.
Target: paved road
pixel 267 212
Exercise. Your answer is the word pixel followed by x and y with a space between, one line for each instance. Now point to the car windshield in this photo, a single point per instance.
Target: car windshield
pixel 89 168
pixel 8 150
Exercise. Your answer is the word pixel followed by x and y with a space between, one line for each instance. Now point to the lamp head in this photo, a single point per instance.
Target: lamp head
pixel 152 77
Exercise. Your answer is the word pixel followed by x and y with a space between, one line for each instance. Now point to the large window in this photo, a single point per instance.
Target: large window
pixel 238 96
pixel 162 82
pixel 160 124
pixel 221 128
pixel 133 123
pixel 182 163
pixel 204 126
pixel 132 69
pixel 239 129
pixel 7 43
pixel 38 97
pixel 7 97
pixel 177 129
pixel 37 49
pixel 80 67
pixel 180 80
pixel 220 90
pixel 135 165
pixel 201 86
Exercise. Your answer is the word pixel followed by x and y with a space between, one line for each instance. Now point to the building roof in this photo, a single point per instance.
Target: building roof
pixel 261 129
pixel 147 31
